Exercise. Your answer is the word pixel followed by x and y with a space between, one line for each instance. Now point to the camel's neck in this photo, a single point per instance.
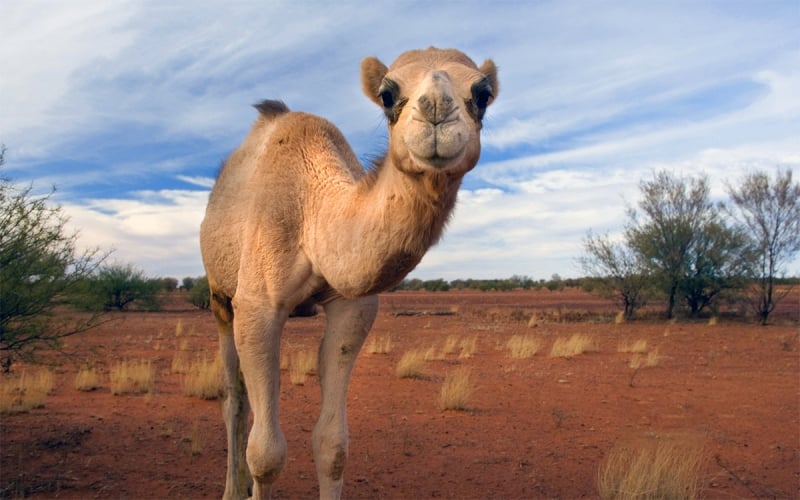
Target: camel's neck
pixel 380 234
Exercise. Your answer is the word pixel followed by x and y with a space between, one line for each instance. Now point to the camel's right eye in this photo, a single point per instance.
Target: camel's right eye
pixel 388 92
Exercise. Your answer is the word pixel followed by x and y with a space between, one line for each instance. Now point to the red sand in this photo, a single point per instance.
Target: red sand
pixel 538 427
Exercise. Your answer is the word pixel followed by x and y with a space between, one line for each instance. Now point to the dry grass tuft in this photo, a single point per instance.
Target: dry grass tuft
pixel 204 378
pixel 379 344
pixel 575 345
pixel 619 318
pixel 523 346
pixel 87 379
pixel 456 390
pixel 712 321
pixel 468 347
pixel 411 364
pixel 640 361
pixel 26 392
pixel 450 344
pixel 636 346
pixel 303 363
pixel 132 377
pixel 665 467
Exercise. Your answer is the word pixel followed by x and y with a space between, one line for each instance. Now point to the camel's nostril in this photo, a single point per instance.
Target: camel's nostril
pixel 435 109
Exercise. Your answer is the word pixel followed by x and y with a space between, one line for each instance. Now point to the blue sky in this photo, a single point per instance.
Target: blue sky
pixel 129 107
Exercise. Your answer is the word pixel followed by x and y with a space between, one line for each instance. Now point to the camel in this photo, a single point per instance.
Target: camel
pixel 294 219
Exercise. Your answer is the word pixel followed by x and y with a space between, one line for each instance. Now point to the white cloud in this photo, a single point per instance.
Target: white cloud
pixel 592 99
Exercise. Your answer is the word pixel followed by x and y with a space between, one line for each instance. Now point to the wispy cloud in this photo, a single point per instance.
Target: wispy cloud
pixel 129 107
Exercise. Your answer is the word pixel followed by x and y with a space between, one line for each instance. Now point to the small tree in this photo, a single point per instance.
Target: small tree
pixel 199 293
pixel 769 212
pixel 117 286
pixel 620 271
pixel 40 270
pixel 188 282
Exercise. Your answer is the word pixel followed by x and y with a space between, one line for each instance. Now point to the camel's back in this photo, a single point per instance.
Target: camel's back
pixel 267 185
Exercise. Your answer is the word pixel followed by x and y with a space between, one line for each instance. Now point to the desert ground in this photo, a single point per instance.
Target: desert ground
pixel 532 428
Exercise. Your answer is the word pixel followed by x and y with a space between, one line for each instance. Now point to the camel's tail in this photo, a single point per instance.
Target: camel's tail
pixel 270 109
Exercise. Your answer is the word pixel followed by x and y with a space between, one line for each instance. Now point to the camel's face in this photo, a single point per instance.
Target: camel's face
pixel 435 101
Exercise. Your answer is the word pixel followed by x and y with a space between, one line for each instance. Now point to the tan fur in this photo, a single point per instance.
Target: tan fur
pixel 294 219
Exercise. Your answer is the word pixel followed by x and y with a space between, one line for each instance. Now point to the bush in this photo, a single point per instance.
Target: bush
pixel 118 286
pixel 40 269
pixel 199 293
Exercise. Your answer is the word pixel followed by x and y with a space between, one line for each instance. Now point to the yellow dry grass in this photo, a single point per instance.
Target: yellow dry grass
pixel 450 344
pixel 301 365
pixel 523 346
pixel 640 361
pixel 411 364
pixel 573 346
pixel 664 467
pixel 132 377
pixel 456 390
pixel 87 379
pixel 635 346
pixel 379 344
pixel 203 379
pixel 27 391
pixel 468 347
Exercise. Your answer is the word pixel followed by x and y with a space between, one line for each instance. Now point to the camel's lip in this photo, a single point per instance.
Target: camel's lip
pixel 437 161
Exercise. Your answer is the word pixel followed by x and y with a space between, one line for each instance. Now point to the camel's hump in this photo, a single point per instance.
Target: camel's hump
pixel 270 109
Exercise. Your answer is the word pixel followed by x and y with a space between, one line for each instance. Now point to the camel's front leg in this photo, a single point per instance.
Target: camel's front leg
pixel 257 332
pixel 348 322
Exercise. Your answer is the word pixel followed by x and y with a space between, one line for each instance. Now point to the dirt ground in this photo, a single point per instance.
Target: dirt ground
pixel 536 427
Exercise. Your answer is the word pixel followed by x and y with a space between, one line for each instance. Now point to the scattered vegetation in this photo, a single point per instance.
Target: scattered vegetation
pixel 27 391
pixel 87 379
pixel 204 378
pixel 379 344
pixel 468 347
pixel 302 364
pixel 456 390
pixel 573 346
pixel 523 346
pixel 659 467
pixel 411 365
pixel 132 377
pixel 637 346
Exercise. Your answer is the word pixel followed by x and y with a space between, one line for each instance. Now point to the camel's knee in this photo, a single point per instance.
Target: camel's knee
pixel 330 454
pixel 266 458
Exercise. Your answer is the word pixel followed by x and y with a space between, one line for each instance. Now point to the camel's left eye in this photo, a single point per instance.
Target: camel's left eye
pixel 481 95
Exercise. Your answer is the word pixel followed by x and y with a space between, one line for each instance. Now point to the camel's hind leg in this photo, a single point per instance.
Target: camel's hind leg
pixel 348 322
pixel 235 408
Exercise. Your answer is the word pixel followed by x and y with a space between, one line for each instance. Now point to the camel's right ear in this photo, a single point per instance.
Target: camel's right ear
pixel 372 73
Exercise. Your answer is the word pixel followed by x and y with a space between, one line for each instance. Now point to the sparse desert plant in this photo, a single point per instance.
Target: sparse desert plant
pixel 87 379
pixel 619 318
pixel 179 328
pixel 637 346
pixel 204 378
pixel 575 345
pixel 712 321
pixel 659 467
pixel 303 363
pixel 523 346
pixel 640 361
pixel 431 354
pixel 26 392
pixel 456 390
pixel 379 344
pixel 411 364
pixel 132 377
pixel 450 344
pixel 180 362
pixel 468 347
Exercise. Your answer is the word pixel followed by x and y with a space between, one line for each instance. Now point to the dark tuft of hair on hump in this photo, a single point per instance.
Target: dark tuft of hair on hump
pixel 269 108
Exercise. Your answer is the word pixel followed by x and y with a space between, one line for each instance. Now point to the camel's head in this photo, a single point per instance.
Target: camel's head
pixel 435 101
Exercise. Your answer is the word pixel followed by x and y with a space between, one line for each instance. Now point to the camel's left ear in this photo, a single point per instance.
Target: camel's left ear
pixel 372 73
pixel 489 69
